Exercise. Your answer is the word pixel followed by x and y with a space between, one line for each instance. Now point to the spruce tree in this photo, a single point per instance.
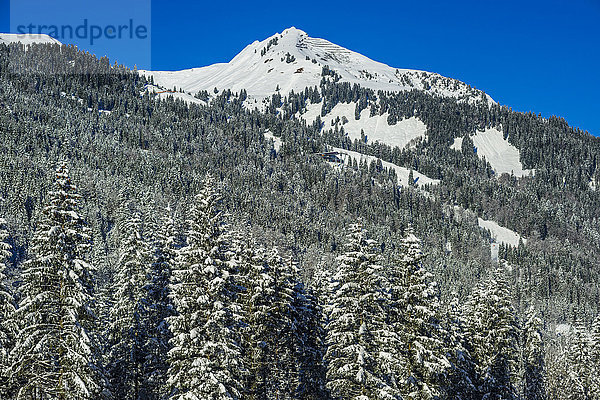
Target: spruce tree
pixel 581 373
pixel 270 332
pixel 459 383
pixel 310 347
pixel 284 340
pixel 128 323
pixel 204 361
pixel 353 369
pixel 55 355
pixel 8 327
pixel 257 292
pixel 416 322
pixel 159 307
pixel 533 357
pixel 492 333
pixel 595 356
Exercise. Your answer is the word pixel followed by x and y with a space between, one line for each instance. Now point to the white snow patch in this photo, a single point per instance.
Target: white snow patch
pixel 26 39
pixel 277 142
pixel 562 329
pixel 592 184
pixel 502 156
pixel 494 251
pixel 376 128
pixel 163 93
pixel 448 247
pixel 401 172
pixel 457 145
pixel 501 234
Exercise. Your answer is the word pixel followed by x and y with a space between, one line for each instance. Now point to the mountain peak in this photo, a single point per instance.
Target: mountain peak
pixel 292 60
pixel 292 30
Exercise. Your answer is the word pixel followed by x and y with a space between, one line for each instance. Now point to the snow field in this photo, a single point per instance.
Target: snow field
pixel 500 233
pixel 376 128
pixel 502 156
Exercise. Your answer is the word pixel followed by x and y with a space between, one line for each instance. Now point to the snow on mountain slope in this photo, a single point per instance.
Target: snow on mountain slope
pixel 457 145
pixel 500 233
pixel 26 39
pixel 401 172
pixel 376 128
pixel 162 94
pixel 502 156
pixel 292 60
pixel 277 142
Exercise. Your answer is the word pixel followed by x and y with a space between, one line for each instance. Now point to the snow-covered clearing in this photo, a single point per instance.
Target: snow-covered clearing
pixel 562 329
pixel 376 128
pixel 277 142
pixel 163 94
pixel 502 156
pixel 401 172
pixel 501 234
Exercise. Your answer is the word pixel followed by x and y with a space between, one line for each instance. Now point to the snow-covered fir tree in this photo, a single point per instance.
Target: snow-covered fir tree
pixel 557 369
pixel 595 356
pixel 319 296
pixel 158 307
pixel 283 320
pixel 578 382
pixel 310 347
pixel 8 327
pixel 204 361
pixel 492 335
pixel 127 334
pixel 415 321
pixel 392 355
pixel 55 355
pixel 533 358
pixel 255 289
pixel 459 383
pixel 356 316
pixel 269 319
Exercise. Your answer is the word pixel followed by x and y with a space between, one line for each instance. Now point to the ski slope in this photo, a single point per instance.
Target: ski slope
pixel 292 60
pixel 502 156
pixel 26 39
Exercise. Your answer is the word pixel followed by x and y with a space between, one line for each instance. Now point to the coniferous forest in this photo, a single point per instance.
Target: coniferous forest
pixel 155 249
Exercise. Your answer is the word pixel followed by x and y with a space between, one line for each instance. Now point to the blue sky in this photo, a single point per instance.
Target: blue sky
pixel 540 56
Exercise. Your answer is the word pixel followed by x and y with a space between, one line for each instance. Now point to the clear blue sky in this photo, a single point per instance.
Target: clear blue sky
pixel 540 56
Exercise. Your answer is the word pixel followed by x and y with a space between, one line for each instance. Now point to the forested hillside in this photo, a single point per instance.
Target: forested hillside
pixel 155 248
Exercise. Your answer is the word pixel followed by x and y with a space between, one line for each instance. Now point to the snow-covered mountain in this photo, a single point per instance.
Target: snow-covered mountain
pixel 292 60
pixel 26 39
